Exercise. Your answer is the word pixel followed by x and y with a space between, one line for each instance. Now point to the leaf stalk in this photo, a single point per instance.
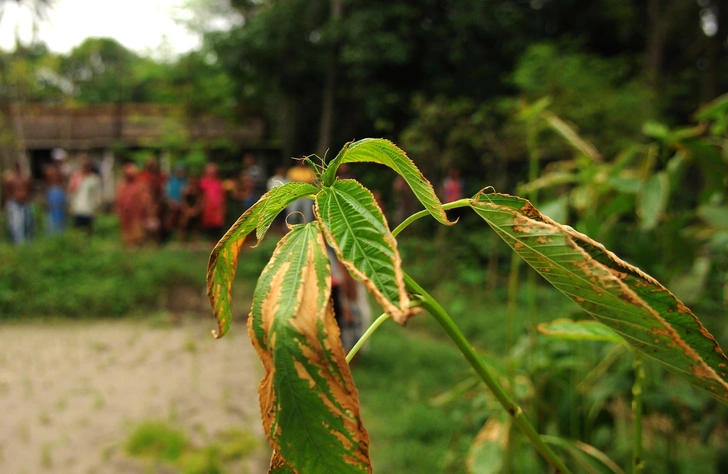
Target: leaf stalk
pixel 513 409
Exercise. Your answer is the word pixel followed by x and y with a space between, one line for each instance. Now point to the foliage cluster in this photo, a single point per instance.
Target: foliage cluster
pixel 309 405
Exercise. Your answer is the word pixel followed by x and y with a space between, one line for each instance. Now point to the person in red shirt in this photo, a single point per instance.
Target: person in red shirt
pixel 214 207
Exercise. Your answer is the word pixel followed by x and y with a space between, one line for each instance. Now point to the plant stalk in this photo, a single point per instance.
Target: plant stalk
pixel 639 378
pixel 519 417
pixel 421 214
pixel 365 337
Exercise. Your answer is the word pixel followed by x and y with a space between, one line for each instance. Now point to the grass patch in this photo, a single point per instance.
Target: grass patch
pixel 76 277
pixel 159 442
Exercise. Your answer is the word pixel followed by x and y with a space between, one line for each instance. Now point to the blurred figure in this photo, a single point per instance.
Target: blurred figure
pixel 213 209
pixel 453 187
pixel 302 172
pixel 18 196
pixel 404 200
pixel 191 211
pixel 174 190
pixel 154 180
pixel 255 173
pixel 279 179
pixel 131 206
pixel 85 196
pixel 55 200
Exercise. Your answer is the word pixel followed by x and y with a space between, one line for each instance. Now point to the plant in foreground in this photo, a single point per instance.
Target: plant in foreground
pixel 309 405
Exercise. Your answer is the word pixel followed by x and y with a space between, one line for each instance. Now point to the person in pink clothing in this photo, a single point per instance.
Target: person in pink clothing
pixel 213 210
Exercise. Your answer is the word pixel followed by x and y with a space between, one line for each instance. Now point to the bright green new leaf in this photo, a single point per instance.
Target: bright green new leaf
pixel 633 304
pixel 384 152
pixel 308 401
pixel 652 200
pixel 487 452
pixel 357 230
pixel 224 257
pixel 579 330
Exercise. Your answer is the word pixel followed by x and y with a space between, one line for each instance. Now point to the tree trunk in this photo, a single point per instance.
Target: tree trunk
pixel 327 103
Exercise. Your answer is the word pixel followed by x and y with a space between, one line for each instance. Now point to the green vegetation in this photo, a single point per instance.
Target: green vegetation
pixel 159 442
pixel 309 404
pixel 75 277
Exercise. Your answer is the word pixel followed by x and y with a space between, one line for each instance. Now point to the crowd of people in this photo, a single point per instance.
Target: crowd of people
pixel 154 207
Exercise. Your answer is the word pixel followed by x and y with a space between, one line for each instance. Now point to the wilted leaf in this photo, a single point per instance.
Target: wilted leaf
pixel 652 200
pixel 579 330
pixel 633 304
pixel 357 230
pixel 224 257
pixel 486 453
pixel 308 401
pixel 384 152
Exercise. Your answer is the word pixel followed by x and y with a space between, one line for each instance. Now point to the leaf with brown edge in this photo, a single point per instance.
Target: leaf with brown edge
pixel 384 152
pixel 615 293
pixel 308 401
pixel 357 230
pixel 279 466
pixel 224 257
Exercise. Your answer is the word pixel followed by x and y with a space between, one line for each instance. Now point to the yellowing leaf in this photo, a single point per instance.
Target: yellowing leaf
pixel 486 455
pixel 622 297
pixel 357 230
pixel 308 401
pixel 384 152
pixel 224 257
pixel 579 330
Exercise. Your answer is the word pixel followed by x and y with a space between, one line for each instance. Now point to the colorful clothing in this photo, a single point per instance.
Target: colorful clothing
pixel 213 211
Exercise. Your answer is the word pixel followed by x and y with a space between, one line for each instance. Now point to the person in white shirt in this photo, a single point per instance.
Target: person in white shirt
pixel 85 191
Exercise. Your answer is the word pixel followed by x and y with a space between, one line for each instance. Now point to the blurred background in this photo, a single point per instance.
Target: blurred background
pixel 132 134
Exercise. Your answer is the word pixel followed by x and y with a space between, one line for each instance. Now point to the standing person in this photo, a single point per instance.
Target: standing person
pixel 18 195
pixel 214 206
pixel 86 198
pixel 191 214
pixel 154 180
pixel 453 187
pixel 131 206
pixel 255 172
pixel 302 172
pixel 175 187
pixel 55 200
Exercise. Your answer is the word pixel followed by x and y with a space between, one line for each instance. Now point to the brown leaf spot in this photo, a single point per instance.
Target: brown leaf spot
pixel 541 240
pixel 580 299
pixel 518 245
pixel 521 224
pixel 702 372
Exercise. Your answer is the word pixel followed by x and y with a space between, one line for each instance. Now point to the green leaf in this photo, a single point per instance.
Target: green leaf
pixel 487 452
pixel 579 330
pixel 357 230
pixel 278 199
pixel 308 401
pixel 384 152
pixel 652 200
pixel 224 257
pixel 630 302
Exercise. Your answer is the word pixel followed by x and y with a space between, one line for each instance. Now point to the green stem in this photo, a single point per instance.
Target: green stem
pixel 365 337
pixel 639 377
pixel 519 417
pixel 421 214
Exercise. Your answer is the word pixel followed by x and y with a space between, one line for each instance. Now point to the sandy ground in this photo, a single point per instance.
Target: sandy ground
pixel 71 393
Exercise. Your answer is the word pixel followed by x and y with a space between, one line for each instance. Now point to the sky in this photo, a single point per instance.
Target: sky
pixel 140 25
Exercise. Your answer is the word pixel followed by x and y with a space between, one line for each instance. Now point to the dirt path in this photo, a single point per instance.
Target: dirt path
pixel 71 393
